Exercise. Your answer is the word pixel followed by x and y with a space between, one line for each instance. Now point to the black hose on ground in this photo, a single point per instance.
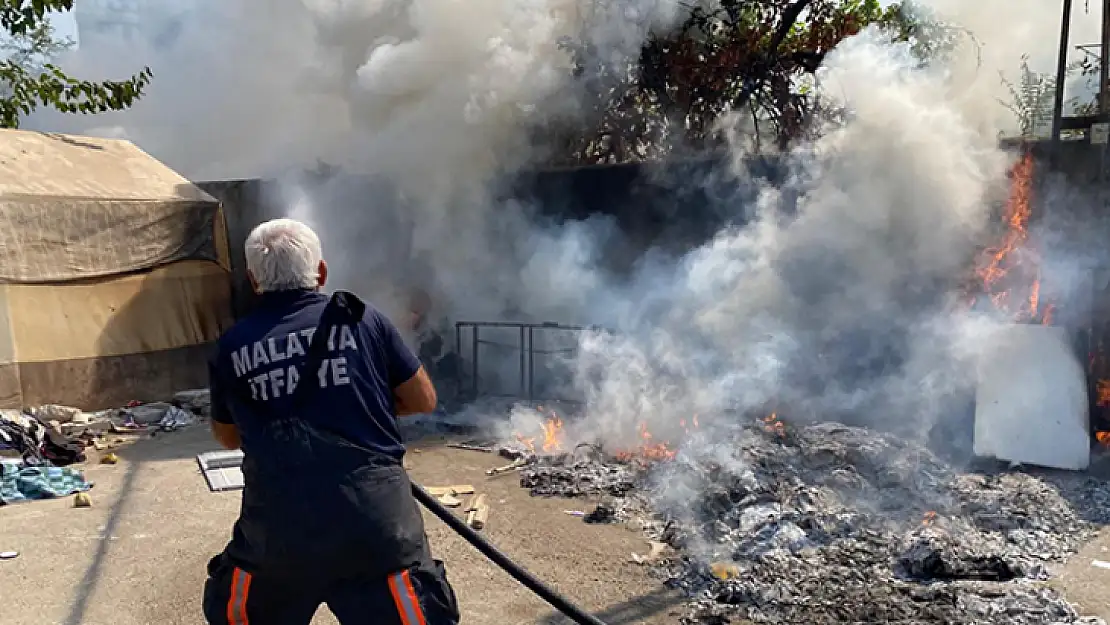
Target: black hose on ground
pixel 542 590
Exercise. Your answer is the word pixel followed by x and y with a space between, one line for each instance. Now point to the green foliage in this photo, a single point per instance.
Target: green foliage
pixel 34 49
pixel 1032 95
pixel 931 38
pixel 751 57
pixel 28 78
pixel 1031 99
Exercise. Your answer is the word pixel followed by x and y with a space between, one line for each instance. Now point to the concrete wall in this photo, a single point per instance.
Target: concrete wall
pixel 244 208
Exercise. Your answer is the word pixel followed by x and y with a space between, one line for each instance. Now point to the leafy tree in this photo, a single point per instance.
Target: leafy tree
pixel 32 50
pixel 1031 99
pixel 28 78
pixel 752 57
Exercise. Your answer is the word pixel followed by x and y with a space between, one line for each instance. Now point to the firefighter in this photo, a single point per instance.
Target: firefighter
pixel 310 388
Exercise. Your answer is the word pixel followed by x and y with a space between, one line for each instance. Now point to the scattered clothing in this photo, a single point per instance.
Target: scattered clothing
pixel 175 418
pixel 146 414
pixel 38 444
pixel 62 414
pixel 24 435
pixel 15 438
pixel 22 482
pixel 60 451
pixel 127 427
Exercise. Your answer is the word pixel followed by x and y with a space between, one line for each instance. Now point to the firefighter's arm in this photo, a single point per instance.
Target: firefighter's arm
pixel 413 392
pixel 416 395
pixel 226 434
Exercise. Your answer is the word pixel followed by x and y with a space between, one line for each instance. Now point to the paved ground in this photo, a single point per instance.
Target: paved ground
pixel 1086 584
pixel 137 556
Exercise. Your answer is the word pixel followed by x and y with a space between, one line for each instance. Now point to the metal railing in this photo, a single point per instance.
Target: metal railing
pixel 469 376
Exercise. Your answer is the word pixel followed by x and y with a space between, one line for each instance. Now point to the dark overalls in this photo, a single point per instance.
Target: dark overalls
pixel 328 514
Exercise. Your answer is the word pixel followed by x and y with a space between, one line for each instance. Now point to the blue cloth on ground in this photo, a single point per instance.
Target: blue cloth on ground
pixel 21 482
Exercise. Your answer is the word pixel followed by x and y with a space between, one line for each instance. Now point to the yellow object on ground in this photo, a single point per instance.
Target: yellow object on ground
pixel 724 570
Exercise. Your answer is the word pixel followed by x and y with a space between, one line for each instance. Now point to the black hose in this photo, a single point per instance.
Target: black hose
pixel 542 590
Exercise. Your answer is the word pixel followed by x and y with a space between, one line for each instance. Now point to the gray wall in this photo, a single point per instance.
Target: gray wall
pixel 243 210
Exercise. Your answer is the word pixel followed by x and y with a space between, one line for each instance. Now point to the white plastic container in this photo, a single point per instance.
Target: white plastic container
pixel 1031 403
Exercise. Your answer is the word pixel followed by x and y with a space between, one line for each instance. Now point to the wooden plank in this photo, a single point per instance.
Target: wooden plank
pixel 457 489
pixel 480 514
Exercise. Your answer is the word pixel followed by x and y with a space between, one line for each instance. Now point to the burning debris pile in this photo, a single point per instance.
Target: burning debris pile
pixel 580 475
pixel 834 524
pixel 551 469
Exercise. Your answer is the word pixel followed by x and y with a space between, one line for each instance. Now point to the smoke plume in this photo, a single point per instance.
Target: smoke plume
pixel 435 98
pixel 836 304
pixel 836 301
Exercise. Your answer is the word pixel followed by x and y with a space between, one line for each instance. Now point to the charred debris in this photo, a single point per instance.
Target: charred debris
pixel 828 523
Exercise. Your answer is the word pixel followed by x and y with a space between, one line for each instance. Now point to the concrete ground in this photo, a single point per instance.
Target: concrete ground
pixel 1084 582
pixel 138 556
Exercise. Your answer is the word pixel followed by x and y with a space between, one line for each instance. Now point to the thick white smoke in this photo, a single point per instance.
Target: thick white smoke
pixel 833 304
pixel 845 303
pixel 836 305
pixel 435 97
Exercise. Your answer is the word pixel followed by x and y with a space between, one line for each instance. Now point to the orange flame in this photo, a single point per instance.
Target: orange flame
pixel 1102 400
pixel 772 425
pixel 648 450
pixel 653 451
pixel 1011 260
pixel 929 517
pixel 688 426
pixel 553 434
pixel 554 439
pixel 1102 390
pixel 528 443
pixel 551 431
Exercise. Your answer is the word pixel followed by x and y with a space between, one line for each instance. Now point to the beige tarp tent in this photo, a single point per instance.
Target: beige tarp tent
pixel 113 273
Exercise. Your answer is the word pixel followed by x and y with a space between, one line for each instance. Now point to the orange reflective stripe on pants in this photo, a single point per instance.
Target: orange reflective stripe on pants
pixel 237 603
pixel 404 597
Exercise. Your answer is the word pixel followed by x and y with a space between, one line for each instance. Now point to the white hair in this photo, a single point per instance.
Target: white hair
pixel 283 254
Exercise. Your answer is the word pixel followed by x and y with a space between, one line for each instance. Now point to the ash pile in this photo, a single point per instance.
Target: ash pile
pixel 583 472
pixel 828 523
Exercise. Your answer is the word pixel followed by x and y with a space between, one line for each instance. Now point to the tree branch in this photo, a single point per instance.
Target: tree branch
pixel 751 84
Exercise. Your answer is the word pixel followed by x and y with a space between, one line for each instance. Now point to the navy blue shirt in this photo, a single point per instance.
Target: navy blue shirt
pixel 261 359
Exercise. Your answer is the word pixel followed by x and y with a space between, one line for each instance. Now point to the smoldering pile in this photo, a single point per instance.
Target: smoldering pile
pixel 828 523
pixel 620 489
pixel 581 473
